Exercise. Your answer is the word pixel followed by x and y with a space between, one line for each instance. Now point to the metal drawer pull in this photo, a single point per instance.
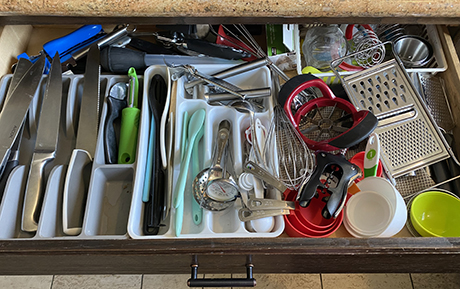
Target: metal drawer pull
pixel 249 281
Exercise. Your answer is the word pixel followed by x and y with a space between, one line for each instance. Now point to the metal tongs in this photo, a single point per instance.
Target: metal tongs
pixel 195 47
pixel 234 91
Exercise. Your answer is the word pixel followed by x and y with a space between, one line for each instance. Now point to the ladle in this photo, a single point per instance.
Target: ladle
pixel 214 188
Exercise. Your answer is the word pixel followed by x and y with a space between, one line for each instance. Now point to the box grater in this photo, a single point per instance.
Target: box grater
pixel 409 138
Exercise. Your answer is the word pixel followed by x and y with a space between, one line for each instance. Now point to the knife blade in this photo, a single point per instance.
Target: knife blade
pixel 45 146
pixel 15 109
pixel 79 171
pixel 13 160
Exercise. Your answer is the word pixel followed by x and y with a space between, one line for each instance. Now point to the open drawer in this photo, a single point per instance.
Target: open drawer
pixel 338 253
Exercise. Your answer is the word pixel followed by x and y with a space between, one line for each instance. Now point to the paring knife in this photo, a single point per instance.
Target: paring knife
pixel 45 146
pixel 79 170
pixel 15 109
pixel 13 161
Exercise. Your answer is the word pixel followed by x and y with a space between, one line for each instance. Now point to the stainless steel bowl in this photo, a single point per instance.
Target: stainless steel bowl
pixel 414 51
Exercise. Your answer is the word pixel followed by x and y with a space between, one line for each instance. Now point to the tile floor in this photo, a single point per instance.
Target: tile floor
pixel 265 281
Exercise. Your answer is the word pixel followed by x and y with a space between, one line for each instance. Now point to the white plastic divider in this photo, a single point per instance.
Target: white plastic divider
pixel 111 186
pixel 223 224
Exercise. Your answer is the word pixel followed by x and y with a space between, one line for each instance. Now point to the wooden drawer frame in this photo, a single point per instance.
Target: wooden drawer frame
pixel 278 255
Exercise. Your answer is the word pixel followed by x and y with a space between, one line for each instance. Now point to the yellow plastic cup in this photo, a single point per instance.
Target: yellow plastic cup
pixel 436 214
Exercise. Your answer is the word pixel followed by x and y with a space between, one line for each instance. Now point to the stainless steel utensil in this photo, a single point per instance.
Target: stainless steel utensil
pixel 46 146
pixel 13 160
pixel 246 214
pixel 286 155
pixel 15 109
pixel 434 94
pixel 79 171
pixel 409 137
pixel 414 51
pixel 214 188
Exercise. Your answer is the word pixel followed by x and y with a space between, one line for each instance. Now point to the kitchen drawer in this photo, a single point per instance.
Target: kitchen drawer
pixel 338 253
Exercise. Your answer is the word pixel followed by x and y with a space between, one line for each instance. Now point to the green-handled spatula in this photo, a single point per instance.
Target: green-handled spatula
pixel 129 122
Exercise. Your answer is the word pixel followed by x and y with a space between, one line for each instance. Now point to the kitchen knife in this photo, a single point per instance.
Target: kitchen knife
pixel 45 146
pixel 22 66
pixel 15 109
pixel 79 170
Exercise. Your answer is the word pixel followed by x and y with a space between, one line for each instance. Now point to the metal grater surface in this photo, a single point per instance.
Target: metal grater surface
pixel 410 184
pixel 435 98
pixel 408 137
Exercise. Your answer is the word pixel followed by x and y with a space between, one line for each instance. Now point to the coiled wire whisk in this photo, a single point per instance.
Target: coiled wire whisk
pixel 366 38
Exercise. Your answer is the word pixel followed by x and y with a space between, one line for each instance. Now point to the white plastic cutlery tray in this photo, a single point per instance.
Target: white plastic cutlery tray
pixel 114 207
pixel 223 224
pixel 111 185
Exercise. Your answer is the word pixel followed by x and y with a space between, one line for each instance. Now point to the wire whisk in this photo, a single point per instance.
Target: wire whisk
pixel 285 154
pixel 363 39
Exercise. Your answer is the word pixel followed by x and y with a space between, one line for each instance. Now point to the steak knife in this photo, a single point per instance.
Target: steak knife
pixel 79 171
pixel 45 146
pixel 15 109
pixel 13 161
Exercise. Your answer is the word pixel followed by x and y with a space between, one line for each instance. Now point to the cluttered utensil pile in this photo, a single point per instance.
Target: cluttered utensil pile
pixel 226 144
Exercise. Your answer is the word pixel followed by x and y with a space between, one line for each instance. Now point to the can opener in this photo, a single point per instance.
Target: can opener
pixel 343 170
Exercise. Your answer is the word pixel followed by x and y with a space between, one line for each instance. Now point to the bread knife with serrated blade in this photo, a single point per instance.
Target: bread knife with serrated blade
pixel 79 171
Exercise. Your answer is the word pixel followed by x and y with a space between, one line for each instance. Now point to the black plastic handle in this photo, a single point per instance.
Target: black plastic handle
pixel 249 281
pixel 118 60
pixel 10 165
pixel 358 133
pixel 336 201
pixel 114 107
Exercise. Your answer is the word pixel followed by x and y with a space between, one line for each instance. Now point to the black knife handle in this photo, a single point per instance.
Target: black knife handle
pixel 114 108
pixel 215 50
pixel 10 165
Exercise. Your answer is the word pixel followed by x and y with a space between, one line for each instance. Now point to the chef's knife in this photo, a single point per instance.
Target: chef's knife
pixel 79 170
pixel 15 109
pixel 45 146
pixel 13 161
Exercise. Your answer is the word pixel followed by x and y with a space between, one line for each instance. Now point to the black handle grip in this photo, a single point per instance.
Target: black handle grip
pixel 358 133
pixel 148 47
pixel 338 194
pixel 10 165
pixel 114 108
pixel 215 50
pixel 119 60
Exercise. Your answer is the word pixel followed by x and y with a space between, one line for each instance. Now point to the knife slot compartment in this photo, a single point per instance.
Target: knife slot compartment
pixel 108 201
pixel 50 225
pixel 11 206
